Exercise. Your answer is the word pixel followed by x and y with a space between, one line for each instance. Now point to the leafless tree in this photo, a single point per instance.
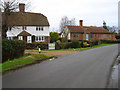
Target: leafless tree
pixel 7 7
pixel 113 29
pixel 65 21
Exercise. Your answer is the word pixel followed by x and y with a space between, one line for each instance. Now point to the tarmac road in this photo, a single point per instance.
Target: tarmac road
pixel 86 69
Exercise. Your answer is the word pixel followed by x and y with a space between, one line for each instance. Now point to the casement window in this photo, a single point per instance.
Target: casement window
pixel 107 36
pixel 20 37
pixel 76 35
pixel 92 35
pixel 24 28
pixel 100 36
pixel 39 29
pixel 10 38
pixel 39 38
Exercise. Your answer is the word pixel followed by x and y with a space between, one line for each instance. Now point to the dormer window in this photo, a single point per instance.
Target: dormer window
pixel 36 28
pixel 24 28
pixel 10 28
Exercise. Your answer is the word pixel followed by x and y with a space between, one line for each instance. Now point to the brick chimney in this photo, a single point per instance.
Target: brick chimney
pixel 22 7
pixel 81 22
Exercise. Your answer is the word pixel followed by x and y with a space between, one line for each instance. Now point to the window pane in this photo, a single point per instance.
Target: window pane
pixel 42 28
pixel 36 38
pixel 36 28
pixel 39 28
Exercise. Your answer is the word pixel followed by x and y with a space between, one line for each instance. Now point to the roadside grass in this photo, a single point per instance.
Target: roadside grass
pixel 23 61
pixel 71 49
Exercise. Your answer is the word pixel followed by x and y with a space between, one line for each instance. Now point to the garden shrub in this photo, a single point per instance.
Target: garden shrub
pixel 42 46
pixel 30 46
pixel 12 49
pixel 110 41
pixel 75 44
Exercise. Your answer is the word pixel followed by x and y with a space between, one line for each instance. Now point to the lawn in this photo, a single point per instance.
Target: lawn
pixel 23 61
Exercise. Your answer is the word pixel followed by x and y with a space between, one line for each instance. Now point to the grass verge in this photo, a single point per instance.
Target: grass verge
pixel 70 49
pixel 23 61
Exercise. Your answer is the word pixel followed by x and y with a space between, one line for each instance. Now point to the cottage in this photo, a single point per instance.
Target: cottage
pixel 27 26
pixel 89 33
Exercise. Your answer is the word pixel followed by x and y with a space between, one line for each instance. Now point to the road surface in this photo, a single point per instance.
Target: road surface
pixel 86 69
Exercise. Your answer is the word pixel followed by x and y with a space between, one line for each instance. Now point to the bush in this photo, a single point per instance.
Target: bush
pixel 42 46
pixel 12 49
pixel 86 44
pixel 30 46
pixel 110 41
pixel 75 44
pixel 67 45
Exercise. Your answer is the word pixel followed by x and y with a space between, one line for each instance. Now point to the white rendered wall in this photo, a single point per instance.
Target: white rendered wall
pixel 30 29
pixel 68 36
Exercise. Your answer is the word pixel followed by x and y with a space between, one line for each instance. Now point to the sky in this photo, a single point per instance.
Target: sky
pixel 92 12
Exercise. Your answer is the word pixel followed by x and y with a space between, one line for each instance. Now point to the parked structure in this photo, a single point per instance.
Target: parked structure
pixel 27 26
pixel 88 33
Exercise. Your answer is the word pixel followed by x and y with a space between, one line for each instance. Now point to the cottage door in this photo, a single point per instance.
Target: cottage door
pixel 25 38
pixel 87 37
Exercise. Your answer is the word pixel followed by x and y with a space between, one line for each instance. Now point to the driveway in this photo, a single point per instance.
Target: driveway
pixel 86 69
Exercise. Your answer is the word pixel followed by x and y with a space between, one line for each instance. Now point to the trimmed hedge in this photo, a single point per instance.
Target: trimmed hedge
pixel 110 41
pixel 12 49
pixel 82 44
pixel 35 45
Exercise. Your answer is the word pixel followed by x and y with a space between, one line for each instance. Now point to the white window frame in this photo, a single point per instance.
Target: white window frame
pixel 10 38
pixel 20 37
pixel 40 38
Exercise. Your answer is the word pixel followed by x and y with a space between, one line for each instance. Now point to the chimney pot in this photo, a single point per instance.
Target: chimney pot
pixel 22 7
pixel 81 22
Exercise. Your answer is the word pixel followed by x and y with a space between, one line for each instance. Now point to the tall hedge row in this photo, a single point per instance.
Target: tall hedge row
pixel 12 49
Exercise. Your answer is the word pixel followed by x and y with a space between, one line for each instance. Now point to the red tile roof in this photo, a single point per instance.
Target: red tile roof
pixel 91 29
pixel 76 29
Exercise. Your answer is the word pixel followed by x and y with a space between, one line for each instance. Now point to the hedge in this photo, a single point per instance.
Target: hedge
pixel 35 45
pixel 82 44
pixel 12 49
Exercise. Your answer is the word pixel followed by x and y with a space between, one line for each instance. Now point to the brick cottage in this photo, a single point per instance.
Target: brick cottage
pixel 89 33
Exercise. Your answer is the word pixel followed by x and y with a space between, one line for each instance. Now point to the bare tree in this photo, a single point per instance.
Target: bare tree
pixel 112 29
pixel 7 7
pixel 65 21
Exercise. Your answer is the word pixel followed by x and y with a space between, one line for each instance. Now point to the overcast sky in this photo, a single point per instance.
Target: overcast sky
pixel 92 12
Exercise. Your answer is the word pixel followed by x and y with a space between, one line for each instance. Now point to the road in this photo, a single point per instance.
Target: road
pixel 86 69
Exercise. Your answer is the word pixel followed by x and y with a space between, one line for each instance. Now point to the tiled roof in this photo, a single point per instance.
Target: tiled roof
pixel 91 29
pixel 76 29
pixel 26 19
pixel 98 30
pixel 24 33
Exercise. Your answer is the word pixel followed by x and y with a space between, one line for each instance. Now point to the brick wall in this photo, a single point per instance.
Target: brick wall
pixel 96 36
pixel 77 38
pixel 47 39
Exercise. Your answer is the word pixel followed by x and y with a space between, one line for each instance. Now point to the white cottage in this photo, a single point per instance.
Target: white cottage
pixel 27 26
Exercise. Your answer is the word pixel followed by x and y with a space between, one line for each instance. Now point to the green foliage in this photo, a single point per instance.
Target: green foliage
pixel 22 61
pixel 75 44
pixel 110 41
pixel 54 36
pixel 117 36
pixel 67 45
pixel 42 46
pixel 35 45
pixel 104 25
pixel 12 49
